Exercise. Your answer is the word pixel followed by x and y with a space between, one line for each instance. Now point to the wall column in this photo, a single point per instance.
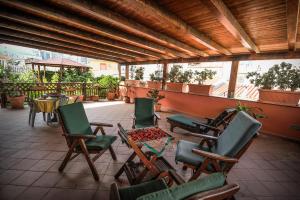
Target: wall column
pixel 233 77
pixel 165 75
pixel 119 70
pixel 127 72
pixel 39 72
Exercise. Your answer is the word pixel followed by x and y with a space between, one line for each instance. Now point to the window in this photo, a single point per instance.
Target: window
pixel 103 66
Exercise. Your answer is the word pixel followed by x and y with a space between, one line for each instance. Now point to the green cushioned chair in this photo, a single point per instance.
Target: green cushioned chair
pixel 144 115
pixel 209 186
pixel 200 125
pixel 81 138
pixel 223 151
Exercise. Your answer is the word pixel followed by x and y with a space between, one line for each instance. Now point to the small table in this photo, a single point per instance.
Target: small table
pixel 156 141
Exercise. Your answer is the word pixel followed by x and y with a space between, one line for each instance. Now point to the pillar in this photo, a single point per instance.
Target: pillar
pixel 119 70
pixel 233 77
pixel 127 72
pixel 165 75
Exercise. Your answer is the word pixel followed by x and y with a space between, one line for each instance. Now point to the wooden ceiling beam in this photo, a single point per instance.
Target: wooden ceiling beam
pixel 104 15
pixel 57 48
pixel 52 49
pixel 42 39
pixel 174 22
pixel 53 36
pixel 224 58
pixel 113 45
pixel 292 15
pixel 225 17
pixel 38 9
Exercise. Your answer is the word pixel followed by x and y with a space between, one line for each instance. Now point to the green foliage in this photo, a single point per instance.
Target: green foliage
pixel 175 73
pixel 255 112
pixel 55 78
pixel 154 94
pixel 14 93
pixel 2 72
pixel 123 78
pixel 156 76
pixel 177 76
pixel 27 77
pixel 139 73
pixel 204 75
pixel 285 76
pixel 75 75
pixel 185 77
pixel 109 82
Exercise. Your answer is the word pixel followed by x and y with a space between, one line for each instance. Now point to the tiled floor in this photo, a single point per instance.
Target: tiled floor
pixel 29 160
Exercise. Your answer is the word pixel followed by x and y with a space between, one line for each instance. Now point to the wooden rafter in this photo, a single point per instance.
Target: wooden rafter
pixel 73 32
pixel 292 14
pixel 225 17
pixel 260 56
pixel 150 8
pixel 56 48
pixel 35 38
pixel 97 12
pixel 72 20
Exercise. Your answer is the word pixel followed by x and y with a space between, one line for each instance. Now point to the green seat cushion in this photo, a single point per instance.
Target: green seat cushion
pixel 144 112
pixel 74 119
pixel 135 191
pixel 188 189
pixel 182 120
pixel 144 124
pixel 237 134
pixel 101 142
pixel 184 153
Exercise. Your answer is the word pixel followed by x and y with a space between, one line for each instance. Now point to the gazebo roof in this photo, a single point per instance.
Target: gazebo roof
pixel 135 31
pixel 57 62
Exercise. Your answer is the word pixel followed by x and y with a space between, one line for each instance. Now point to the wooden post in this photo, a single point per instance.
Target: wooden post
pixel 84 90
pixel 61 73
pixel 119 70
pixel 39 71
pixel 165 74
pixel 233 77
pixel 32 66
pixel 127 72
pixel 44 71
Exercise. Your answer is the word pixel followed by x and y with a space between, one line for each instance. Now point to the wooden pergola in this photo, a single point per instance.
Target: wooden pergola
pixel 159 31
pixel 60 63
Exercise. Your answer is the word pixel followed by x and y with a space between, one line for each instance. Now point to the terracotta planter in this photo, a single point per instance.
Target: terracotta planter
pixel 157 107
pixel 17 102
pixel 279 96
pixel 154 84
pixel 110 96
pixel 134 83
pixel 94 98
pixel 200 89
pixel 80 98
pixel 176 87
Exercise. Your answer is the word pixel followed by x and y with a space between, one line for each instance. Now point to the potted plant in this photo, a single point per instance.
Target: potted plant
pixel 201 77
pixel 178 78
pixel 255 112
pixel 139 75
pixel 154 94
pixel 16 99
pixel 111 84
pixel 283 76
pixel 156 79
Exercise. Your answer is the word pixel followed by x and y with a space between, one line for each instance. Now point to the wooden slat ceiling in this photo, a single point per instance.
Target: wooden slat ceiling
pixel 136 31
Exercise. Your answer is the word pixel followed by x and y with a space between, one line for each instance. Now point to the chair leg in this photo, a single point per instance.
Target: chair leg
pixel 184 167
pixel 33 118
pixel 68 156
pixel 121 170
pixel 112 152
pixel 44 116
pixel 88 159
pixel 29 118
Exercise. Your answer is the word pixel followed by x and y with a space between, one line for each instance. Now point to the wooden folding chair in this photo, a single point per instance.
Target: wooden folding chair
pixel 222 152
pixel 80 137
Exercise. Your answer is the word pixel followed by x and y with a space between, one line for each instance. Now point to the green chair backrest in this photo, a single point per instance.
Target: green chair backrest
pixel 237 134
pixel 74 119
pixel 144 110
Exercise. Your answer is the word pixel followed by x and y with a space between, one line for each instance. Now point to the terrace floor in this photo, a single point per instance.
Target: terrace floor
pixel 29 160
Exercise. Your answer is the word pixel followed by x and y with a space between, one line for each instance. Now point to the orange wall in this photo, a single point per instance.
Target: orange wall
pixel 278 121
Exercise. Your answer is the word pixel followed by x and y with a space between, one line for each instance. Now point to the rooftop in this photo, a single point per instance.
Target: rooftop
pixel 29 160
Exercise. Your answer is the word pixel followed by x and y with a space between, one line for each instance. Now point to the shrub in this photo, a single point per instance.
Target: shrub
pixel 204 75
pixel 139 73
pixel 156 76
pixel 109 82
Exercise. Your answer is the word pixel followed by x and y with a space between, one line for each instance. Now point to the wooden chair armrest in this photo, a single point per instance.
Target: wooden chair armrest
pixel 207 137
pixel 214 156
pixel 100 124
pixel 114 192
pixel 225 192
pixel 157 115
pixel 207 126
pixel 176 177
pixel 83 136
